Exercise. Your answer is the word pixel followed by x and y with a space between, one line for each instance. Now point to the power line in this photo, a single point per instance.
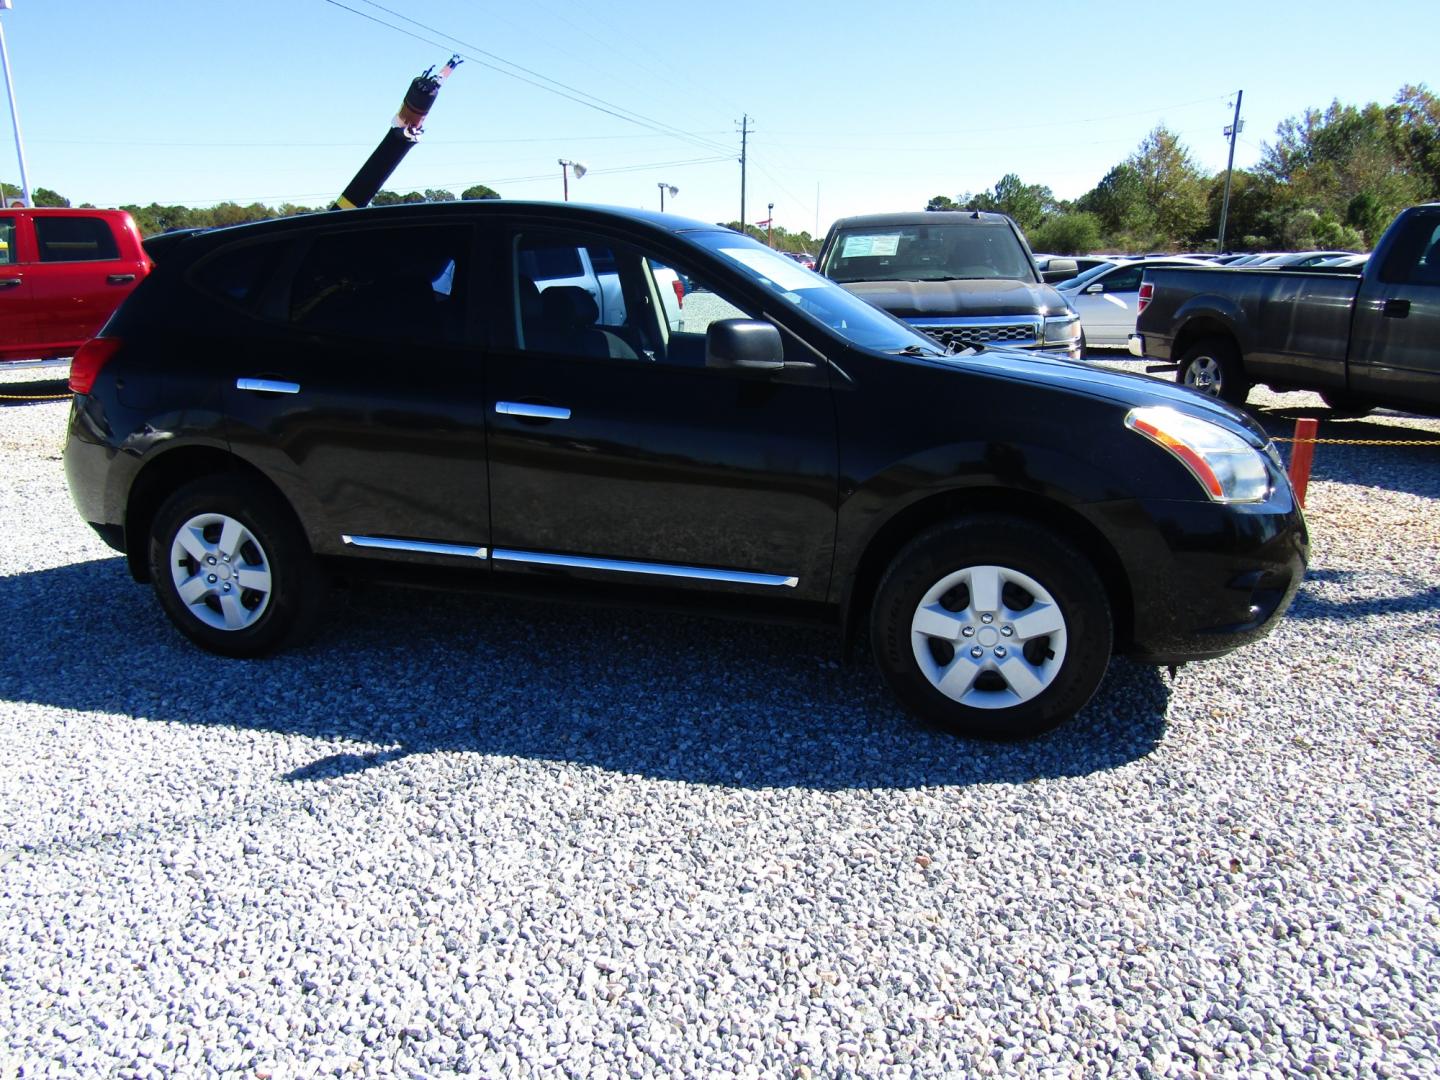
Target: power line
pixel 555 86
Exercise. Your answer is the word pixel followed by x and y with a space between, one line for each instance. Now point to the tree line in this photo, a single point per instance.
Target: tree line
pixel 1333 178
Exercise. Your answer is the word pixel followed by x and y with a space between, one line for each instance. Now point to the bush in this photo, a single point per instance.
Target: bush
pixel 1068 234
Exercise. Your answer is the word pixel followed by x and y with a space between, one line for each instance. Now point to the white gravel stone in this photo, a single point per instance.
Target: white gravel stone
pixel 467 836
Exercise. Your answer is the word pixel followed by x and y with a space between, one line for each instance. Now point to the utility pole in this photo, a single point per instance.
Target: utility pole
pixel 770 225
pixel 14 111
pixel 1234 132
pixel 744 134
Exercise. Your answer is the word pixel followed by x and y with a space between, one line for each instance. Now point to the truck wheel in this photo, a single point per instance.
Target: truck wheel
pixel 991 626
pixel 232 568
pixel 1213 367
pixel 1342 403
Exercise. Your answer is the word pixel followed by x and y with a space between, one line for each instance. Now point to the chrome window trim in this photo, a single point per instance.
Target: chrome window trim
pixel 626 566
pixel 267 386
pixel 423 547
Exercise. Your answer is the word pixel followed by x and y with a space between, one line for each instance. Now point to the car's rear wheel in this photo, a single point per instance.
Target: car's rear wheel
pixel 1213 367
pixel 232 569
pixel 992 626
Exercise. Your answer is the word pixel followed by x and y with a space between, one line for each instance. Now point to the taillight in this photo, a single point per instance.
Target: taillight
pixel 89 359
pixel 679 292
pixel 1147 293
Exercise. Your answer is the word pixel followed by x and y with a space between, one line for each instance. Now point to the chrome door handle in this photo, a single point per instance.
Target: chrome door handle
pixel 9 282
pixel 120 279
pixel 268 386
pixel 533 412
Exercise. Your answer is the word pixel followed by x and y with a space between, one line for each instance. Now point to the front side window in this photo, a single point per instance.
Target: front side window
pixel 1126 280
pixel 396 284
pixel 75 239
pixel 8 254
pixel 1415 259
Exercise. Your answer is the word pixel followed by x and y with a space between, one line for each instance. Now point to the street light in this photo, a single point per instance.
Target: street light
pixel 14 110
pixel 664 188
pixel 565 167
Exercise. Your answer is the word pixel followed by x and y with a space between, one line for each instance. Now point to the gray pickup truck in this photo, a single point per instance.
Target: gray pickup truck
pixel 1361 340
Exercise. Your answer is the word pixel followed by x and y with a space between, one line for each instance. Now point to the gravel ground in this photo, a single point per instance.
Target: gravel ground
pixel 460 836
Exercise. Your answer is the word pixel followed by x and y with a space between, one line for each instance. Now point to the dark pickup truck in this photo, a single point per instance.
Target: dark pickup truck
pixel 1361 340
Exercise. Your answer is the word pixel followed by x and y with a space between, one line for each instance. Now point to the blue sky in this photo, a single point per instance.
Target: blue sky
pixel 855 107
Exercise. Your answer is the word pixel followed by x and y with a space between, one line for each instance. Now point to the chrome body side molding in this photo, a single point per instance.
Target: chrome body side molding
pixel 423 547
pixel 625 566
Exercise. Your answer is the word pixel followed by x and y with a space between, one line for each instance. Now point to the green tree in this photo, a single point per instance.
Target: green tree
pixel 479 191
pixel 439 195
pixel 1414 129
pixel 941 202
pixel 1028 204
pixel 386 198
pixel 1174 188
pixel 1068 234
pixel 43 196
pixel 1119 203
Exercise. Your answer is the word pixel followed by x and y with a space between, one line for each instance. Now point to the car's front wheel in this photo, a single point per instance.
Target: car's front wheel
pixel 232 568
pixel 992 626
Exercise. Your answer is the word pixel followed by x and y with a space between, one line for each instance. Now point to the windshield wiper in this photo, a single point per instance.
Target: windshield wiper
pixel 920 350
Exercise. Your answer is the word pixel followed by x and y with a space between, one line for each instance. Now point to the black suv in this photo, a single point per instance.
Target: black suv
pixel 422 391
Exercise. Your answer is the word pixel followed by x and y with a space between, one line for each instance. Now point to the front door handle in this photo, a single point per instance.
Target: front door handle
pixel 1396 309
pixel 532 412
pixel 267 386
pixel 120 279
pixel 9 283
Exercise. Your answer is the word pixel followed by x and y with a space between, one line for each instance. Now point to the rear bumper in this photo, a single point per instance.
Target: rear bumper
pixel 1136 345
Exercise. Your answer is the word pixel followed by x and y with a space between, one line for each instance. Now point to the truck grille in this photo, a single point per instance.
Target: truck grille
pixel 1021 334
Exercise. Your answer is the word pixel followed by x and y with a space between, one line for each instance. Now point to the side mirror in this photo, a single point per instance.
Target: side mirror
pixel 744 343
pixel 1059 270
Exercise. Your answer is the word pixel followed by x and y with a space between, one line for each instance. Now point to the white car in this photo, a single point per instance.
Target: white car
pixel 1106 297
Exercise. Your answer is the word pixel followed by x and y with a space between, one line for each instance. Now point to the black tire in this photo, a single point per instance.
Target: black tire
pixel 1036 573
pixel 1344 404
pixel 263 594
pixel 1213 367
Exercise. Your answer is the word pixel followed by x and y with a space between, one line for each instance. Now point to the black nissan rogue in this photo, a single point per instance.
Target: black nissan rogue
pixel 401 392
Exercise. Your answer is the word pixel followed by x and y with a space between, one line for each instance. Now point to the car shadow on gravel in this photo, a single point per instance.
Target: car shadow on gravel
pixel 1343 595
pixel 1386 457
pixel 664 696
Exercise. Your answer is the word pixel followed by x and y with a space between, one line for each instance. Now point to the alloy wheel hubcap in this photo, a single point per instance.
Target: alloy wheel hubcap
pixel 1203 374
pixel 220 572
pixel 988 637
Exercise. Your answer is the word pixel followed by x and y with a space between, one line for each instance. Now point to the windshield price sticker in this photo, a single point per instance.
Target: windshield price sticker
pixel 861 246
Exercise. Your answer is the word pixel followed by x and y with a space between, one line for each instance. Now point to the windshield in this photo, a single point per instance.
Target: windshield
pixel 974 250
pixel 818 298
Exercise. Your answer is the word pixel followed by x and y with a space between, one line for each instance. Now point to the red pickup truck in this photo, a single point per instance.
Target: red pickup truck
pixel 62 272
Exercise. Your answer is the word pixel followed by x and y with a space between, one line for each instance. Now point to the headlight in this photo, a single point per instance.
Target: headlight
pixel 1228 468
pixel 1062 329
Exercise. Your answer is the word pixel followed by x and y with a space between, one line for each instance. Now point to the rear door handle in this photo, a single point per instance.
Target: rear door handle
pixel 9 283
pixel 120 279
pixel 267 386
pixel 1396 309
pixel 532 412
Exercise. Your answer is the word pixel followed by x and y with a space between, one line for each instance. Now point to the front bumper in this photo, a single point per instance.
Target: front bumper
pixel 1205 578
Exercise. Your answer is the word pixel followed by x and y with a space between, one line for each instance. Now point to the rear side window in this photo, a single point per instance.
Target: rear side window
pixel 7 241
pixel 75 239
pixel 239 274
pixel 400 284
